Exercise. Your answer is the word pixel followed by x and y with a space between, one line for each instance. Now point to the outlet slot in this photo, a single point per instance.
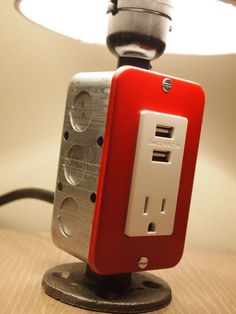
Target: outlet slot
pixel 152 227
pixel 164 131
pixel 160 156
pixel 163 206
pixel 145 209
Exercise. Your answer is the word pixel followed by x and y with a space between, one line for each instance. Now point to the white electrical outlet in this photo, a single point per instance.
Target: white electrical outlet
pixel 156 174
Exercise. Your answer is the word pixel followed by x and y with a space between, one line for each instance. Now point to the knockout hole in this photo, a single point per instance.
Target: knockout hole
pixel 66 135
pixel 100 141
pixel 93 197
pixel 60 186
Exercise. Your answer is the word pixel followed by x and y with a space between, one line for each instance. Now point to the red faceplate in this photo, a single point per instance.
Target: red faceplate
pixel 133 90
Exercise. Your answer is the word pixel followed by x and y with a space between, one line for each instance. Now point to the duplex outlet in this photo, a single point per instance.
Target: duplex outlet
pixel 156 174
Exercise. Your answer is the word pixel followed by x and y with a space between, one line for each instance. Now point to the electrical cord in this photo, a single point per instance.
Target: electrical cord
pixel 40 194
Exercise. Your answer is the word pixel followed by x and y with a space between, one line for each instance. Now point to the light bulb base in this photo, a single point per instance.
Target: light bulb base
pixel 138 30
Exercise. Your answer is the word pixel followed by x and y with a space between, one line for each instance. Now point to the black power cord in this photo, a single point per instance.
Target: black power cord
pixel 40 194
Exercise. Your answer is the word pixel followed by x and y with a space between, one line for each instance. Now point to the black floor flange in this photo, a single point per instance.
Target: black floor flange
pixel 77 285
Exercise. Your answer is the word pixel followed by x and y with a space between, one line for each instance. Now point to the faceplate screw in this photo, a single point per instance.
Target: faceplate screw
pixel 142 263
pixel 166 85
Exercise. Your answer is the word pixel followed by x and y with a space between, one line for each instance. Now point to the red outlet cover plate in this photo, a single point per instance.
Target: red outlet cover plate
pixel 133 90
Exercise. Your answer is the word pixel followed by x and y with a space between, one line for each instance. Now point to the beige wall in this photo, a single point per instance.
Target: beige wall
pixel 35 68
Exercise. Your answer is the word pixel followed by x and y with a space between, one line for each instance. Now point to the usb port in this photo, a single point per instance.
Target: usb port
pixel 164 131
pixel 160 156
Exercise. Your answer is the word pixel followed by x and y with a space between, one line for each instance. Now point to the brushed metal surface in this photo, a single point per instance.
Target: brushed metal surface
pixel 79 162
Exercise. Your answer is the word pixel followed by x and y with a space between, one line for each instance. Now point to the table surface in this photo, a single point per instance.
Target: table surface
pixel 203 282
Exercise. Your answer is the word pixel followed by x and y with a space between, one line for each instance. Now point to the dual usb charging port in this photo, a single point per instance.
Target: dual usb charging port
pixel 165 132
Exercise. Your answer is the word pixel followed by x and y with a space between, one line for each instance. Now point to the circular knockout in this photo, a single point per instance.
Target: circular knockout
pixel 82 112
pixel 68 217
pixel 75 165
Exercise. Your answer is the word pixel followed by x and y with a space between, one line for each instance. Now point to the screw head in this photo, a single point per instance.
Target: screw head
pixel 167 85
pixel 142 263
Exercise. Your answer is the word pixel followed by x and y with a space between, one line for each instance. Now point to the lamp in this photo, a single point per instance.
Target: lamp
pixel 199 26
pixel 67 209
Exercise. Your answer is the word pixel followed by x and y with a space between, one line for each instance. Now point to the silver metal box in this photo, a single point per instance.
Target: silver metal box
pixel 80 155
